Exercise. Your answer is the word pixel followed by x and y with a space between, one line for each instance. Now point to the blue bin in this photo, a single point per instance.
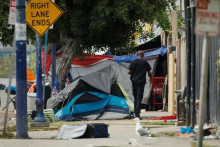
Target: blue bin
pixel 13 90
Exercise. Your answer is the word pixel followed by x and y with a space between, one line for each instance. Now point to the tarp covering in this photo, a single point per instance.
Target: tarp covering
pixel 48 62
pixel 102 79
pixel 160 51
pixel 119 65
pixel 88 60
pixel 157 32
pixel 121 71
pixel 71 131
pixel 164 117
pixel 85 61
pixel 94 96
pixel 61 96
pixel 94 59
pixel 93 105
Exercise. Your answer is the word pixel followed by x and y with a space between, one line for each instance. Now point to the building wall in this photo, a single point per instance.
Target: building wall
pixel 213 96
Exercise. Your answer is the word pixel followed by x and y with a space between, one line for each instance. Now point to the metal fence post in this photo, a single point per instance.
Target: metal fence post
pixel 39 120
pixel 53 66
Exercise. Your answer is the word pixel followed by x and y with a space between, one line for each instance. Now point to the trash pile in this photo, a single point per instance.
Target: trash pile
pixel 186 132
pixel 191 133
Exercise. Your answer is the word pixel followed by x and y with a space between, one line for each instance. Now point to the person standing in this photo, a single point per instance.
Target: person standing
pixel 138 69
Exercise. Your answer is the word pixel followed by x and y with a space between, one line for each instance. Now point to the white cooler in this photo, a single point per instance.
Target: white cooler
pixel 31 98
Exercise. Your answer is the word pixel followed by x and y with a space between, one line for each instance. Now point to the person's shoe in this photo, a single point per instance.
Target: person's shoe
pixel 138 116
pixel 132 116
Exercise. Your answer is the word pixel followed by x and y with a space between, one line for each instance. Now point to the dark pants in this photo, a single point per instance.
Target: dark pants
pixel 138 90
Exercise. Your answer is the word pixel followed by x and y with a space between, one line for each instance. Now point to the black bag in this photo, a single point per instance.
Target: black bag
pixel 96 130
pixel 2 87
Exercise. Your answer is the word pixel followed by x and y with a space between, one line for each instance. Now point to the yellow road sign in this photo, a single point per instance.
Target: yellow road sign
pixel 41 14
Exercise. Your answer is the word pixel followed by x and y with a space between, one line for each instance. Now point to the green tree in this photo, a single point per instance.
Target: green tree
pixel 97 24
pixel 32 65
pixel 6 31
pixel 5 66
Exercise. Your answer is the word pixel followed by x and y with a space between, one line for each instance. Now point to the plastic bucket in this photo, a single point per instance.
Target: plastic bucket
pixel 31 99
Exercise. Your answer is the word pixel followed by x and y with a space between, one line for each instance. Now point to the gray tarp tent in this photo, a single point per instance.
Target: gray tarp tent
pixel 96 95
pixel 120 70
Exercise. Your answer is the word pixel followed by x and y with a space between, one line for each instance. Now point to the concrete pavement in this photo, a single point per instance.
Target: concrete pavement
pixel 122 133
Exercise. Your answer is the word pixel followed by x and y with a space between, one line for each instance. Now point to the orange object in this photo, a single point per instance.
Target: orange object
pixel 30 75
pixel 33 87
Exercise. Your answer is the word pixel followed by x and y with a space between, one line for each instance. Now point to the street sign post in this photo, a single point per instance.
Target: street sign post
pixel 41 14
pixel 207 17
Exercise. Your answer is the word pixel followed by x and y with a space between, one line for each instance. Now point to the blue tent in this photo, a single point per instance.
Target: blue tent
pixel 95 96
pixel 93 107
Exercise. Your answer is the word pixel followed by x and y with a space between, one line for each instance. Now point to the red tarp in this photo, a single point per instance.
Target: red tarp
pixel 86 61
pixel 90 60
pixel 164 117
pixel 48 62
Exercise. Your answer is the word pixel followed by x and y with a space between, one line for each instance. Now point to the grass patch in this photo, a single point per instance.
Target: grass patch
pixel 155 135
pixel 213 132
pixel 60 123
pixel 41 129
pixel 193 144
pixel 170 134
pixel 12 128
pixel 7 135
pixel 157 123
pixel 52 126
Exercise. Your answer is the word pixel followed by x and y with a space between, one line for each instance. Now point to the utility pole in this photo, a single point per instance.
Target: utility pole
pixel 193 67
pixel 21 75
pixel 188 66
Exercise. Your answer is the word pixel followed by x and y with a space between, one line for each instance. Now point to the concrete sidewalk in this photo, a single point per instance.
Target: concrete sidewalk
pixel 119 126
pixel 122 133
